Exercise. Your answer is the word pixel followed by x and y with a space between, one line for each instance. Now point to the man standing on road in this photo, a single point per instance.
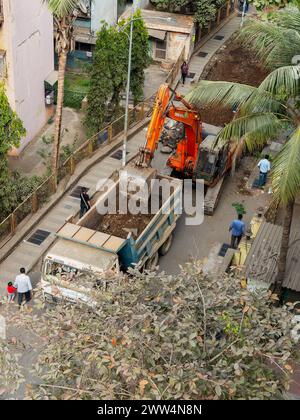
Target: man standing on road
pixel 23 285
pixel 84 202
pixel 237 229
pixel 264 167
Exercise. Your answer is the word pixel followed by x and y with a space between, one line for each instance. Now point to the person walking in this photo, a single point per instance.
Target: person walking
pixel 84 202
pixel 184 71
pixel 11 292
pixel 264 167
pixel 23 285
pixel 237 228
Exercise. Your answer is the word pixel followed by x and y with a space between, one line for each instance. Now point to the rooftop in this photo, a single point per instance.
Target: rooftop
pixel 261 262
pixel 158 20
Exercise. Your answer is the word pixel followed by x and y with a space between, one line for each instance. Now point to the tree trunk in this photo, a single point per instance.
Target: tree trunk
pixel 288 214
pixel 58 114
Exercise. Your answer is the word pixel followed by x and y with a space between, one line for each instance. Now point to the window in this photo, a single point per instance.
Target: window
pixel 82 46
pixel 161 49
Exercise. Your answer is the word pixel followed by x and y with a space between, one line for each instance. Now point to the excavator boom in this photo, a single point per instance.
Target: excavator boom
pixel 164 108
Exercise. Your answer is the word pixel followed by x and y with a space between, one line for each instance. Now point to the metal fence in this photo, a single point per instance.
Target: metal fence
pixel 222 13
pixel 43 193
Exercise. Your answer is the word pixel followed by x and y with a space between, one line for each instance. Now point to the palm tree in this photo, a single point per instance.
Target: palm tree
pixel 275 41
pixel 64 14
pixel 262 112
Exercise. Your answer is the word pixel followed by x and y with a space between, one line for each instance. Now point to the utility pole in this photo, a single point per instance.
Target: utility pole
pixel 134 7
pixel 244 12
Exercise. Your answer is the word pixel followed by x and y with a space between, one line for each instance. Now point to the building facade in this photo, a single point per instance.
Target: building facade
pixel 89 21
pixel 27 61
pixel 169 34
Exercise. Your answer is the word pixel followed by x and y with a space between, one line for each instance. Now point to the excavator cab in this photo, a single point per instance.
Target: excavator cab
pixel 212 160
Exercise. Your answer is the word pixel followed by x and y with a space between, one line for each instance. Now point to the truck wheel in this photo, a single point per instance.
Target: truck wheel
pixel 164 249
pixel 152 262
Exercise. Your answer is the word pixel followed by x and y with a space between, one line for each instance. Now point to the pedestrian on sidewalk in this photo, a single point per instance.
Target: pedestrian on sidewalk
pixel 264 167
pixel 23 285
pixel 184 71
pixel 243 6
pixel 237 228
pixel 11 292
pixel 84 202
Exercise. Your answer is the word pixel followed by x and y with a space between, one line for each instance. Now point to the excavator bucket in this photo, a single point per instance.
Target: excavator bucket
pixel 136 181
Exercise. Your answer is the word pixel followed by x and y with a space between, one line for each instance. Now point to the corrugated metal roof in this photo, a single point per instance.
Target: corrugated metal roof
pixel 261 262
pixel 292 276
pixel 171 22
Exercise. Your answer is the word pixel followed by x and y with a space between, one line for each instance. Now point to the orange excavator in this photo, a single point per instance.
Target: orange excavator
pixel 196 156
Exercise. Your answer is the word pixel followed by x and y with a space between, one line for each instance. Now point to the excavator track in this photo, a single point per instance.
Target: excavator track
pixel 212 197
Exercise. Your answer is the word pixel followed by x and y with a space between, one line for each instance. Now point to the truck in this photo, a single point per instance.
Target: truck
pixel 90 253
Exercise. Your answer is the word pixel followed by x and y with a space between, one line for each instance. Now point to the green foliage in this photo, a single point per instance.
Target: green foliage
pixel 15 188
pixel 261 5
pixel 109 70
pixel 204 10
pixel 11 127
pixel 156 336
pixel 140 56
pixel 262 113
pixel 65 151
pixel 62 8
pixel 107 75
pixel 274 39
pixel 240 209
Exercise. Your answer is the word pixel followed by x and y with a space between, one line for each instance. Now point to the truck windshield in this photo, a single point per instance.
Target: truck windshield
pixel 60 271
pixel 57 272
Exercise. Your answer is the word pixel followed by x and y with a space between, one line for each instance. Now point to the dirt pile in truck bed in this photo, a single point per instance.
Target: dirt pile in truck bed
pixel 121 224
pixel 233 63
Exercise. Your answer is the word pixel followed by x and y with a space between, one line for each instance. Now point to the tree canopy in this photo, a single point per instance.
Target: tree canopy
pixel 276 40
pixel 11 127
pixel 204 10
pixel 159 336
pixel 109 70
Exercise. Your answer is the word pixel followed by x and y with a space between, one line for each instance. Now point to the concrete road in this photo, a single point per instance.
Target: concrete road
pixel 197 241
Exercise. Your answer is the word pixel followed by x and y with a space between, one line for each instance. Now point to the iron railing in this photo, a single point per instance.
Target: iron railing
pixel 42 194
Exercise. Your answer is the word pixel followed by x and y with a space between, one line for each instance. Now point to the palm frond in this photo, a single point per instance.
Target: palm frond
pixel 289 17
pixel 255 128
pixel 232 94
pixel 286 169
pixel 271 42
pixel 284 79
pixel 62 8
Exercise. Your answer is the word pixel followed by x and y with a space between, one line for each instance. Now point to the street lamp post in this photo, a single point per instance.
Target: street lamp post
pixel 128 89
pixel 132 20
pixel 243 12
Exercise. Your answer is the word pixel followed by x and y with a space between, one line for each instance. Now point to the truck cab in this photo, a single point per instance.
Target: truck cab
pixel 72 271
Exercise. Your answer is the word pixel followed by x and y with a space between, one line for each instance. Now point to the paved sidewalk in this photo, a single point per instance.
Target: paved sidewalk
pixel 27 254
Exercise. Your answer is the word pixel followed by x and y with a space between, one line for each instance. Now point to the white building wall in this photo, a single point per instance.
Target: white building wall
pixel 27 37
pixel 143 3
pixel 103 10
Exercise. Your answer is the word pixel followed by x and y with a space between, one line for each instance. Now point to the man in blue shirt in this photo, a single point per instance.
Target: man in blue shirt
pixel 264 167
pixel 237 229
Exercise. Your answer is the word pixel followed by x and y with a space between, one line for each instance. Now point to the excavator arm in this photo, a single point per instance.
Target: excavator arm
pixel 161 111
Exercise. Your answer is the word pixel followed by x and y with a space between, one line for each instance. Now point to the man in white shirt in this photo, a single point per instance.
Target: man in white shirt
pixel 23 284
pixel 264 167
